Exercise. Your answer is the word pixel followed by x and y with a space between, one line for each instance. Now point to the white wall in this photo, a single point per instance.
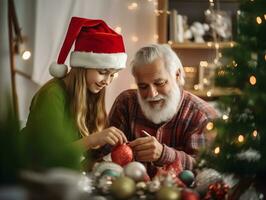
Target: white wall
pixel 140 22
pixel 25 10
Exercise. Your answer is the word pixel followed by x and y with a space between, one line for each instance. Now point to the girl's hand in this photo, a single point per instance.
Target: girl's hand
pixel 111 135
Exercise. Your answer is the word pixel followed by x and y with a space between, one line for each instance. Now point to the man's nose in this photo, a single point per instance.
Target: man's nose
pixel 152 92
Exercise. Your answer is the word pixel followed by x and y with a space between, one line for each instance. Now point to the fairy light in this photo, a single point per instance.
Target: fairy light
pixel 209 93
pixel 26 55
pixel 217 150
pixel 232 44
pixel 265 16
pixel 221 73
pixel 209 126
pixel 155 36
pixel 240 138
pixel 265 57
pixel 118 29
pixel 225 117
pixel 259 20
pixel 217 46
pixel 234 63
pixel 205 81
pixel 203 63
pixel 220 55
pixel 252 80
pixel 132 6
pixel 196 87
pixel 255 133
pixel 170 42
pixel 115 75
pixel 209 44
pixel 134 38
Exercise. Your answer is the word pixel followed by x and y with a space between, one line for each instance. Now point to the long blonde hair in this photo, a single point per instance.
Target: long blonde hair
pixel 88 108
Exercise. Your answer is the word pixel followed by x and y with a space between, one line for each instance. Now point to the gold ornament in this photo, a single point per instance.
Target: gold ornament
pixel 123 187
pixel 168 193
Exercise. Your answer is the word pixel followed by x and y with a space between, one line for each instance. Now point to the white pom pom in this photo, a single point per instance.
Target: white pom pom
pixel 58 70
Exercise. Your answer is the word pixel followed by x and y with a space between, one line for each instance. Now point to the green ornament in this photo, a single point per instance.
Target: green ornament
pixel 109 172
pixel 168 193
pixel 187 177
pixel 123 187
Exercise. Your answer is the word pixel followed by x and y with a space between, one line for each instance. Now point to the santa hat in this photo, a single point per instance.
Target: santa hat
pixel 96 46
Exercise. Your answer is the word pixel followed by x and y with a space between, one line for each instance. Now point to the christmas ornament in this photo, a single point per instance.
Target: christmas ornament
pixel 217 191
pixel 122 154
pixel 104 184
pixel 110 172
pixel 154 185
pixel 205 178
pixel 99 168
pixel 188 194
pixel 187 177
pixel 135 170
pixel 123 187
pixel 168 193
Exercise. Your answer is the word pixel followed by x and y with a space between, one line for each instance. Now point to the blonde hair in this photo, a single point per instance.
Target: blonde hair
pixel 88 108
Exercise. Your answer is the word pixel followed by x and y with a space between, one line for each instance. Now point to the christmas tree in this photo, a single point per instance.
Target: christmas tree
pixel 240 144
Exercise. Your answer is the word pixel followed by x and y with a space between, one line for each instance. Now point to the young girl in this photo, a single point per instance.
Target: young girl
pixel 74 103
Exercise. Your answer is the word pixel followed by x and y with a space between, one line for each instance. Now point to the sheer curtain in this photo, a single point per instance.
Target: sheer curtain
pixel 135 19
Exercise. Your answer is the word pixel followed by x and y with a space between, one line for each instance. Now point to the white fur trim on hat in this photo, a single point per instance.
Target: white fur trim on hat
pixel 58 70
pixel 98 60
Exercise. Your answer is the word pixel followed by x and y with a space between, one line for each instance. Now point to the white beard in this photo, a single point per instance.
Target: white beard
pixel 161 114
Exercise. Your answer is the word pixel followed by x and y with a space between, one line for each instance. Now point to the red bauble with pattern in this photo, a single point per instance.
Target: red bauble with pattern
pixel 188 194
pixel 122 154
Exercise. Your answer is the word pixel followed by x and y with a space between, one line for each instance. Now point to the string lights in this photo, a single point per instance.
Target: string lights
pixel 240 138
pixel 252 80
pixel 217 150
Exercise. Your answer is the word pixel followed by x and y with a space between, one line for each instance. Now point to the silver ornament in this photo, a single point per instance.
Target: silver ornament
pixel 135 170
pixel 206 177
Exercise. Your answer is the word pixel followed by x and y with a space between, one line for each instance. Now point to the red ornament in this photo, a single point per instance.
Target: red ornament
pixel 188 194
pixel 122 154
pixel 217 191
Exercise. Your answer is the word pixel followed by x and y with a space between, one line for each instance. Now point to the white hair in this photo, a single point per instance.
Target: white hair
pixel 150 53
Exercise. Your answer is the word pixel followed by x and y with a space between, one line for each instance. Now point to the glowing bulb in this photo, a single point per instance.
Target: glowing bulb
pixel 118 29
pixel 203 63
pixel 205 81
pixel 234 63
pixel 26 55
pixel 231 44
pixel 217 150
pixel 252 80
pixel 259 20
pixel 115 75
pixel 209 126
pixel 265 57
pixel 217 45
pixel 209 93
pixel 225 117
pixel 211 1
pixel 196 87
pixel 135 38
pixel 132 6
pixel 209 44
pixel 255 133
pixel 156 37
pixel 240 138
pixel 265 16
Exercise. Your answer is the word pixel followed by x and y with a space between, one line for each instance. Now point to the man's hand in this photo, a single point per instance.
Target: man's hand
pixel 146 149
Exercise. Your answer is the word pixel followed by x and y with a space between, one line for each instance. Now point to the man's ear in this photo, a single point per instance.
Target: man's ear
pixel 177 75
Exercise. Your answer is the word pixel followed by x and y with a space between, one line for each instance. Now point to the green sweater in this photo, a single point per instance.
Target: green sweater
pixel 50 111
